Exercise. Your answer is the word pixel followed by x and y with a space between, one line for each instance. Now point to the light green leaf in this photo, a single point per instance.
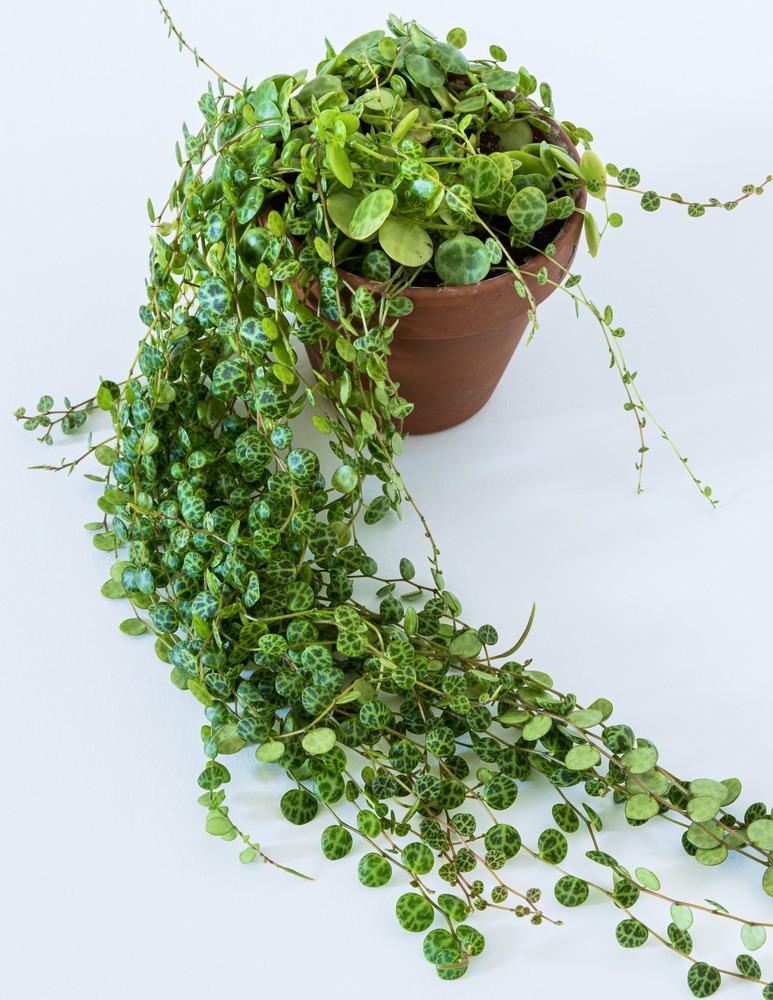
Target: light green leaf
pixel 133 626
pixel 682 916
pixel 371 213
pixel 704 808
pixel 648 879
pixel 340 207
pixel 641 807
pixel 592 235
pixel 706 786
pixel 340 164
pixel 318 741
pixel 760 833
pixel 585 718
pixel 711 856
pixel 105 455
pixel 424 70
pixel 270 751
pixel 200 692
pixel 405 242
pixel 218 824
pixel 515 717
pixel 733 786
pixel 344 479
pixel 467 644
pixel 753 936
pixel 537 727
pixel 639 760
pixel 582 757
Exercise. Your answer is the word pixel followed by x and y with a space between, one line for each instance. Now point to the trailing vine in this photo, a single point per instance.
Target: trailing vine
pixel 240 489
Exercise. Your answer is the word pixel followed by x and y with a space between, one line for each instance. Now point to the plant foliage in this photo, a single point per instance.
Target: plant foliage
pixel 239 493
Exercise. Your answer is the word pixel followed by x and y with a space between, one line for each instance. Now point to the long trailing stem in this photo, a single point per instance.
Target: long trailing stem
pixel 247 562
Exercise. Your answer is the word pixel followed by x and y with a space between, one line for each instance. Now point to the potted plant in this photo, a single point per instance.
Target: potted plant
pixel 240 543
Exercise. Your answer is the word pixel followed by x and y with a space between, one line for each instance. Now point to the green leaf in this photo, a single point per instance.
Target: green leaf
pixel 462 260
pixel 318 741
pixel 682 916
pixel 344 479
pixel 707 786
pixel 424 70
pixel 528 209
pixel 585 718
pixel 371 213
pixel 629 177
pixel 712 855
pixel 336 842
pixel 641 807
pixel 341 207
pixel 537 726
pixel 639 760
pixel 247 855
pixel 681 939
pixel 374 870
pixel 571 891
pixel 748 966
pixel 648 879
pixel 200 692
pixel 480 175
pixel 363 43
pixel 703 979
pixel 218 824
pixel 405 242
pixel 340 164
pixel 753 936
pixel 703 808
pixel 466 645
pixel 631 933
pixel 733 786
pixel 760 833
pixel 271 751
pixel 592 235
pixel 418 858
pixel 133 626
pixel 298 806
pixel 582 757
pixel 105 542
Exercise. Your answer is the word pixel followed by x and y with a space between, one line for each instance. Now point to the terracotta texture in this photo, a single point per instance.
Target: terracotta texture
pixel 449 354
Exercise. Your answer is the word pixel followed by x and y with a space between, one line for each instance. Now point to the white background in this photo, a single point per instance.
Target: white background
pixel 110 886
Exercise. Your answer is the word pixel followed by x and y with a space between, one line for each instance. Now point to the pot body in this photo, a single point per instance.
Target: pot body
pixel 449 354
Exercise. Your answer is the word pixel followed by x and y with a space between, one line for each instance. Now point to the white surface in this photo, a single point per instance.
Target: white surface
pixel 110 886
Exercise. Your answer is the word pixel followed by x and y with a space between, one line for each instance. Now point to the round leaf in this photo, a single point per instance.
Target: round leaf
pixel 760 833
pixel 319 741
pixel 641 807
pixel 371 213
pixel 703 979
pixel 753 936
pixel 462 261
pixel 405 242
pixel 582 757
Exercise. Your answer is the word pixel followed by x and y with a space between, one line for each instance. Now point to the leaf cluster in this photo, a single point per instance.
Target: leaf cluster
pixel 239 493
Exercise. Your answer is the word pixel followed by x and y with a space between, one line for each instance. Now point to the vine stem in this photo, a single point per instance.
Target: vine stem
pixel 173 30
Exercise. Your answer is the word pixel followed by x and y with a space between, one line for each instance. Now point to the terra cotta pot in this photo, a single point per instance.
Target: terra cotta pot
pixel 449 354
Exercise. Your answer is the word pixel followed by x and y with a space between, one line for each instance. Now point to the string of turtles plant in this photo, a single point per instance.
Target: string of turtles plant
pixel 239 489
